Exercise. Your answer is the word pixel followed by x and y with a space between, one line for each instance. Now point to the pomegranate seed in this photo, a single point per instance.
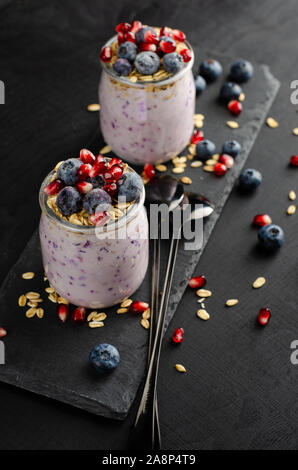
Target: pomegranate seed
pixel 63 312
pixel 116 172
pixel 135 26
pixel 227 160
pixel 150 37
pixel 294 160
pixel 120 38
pixel 149 171
pixel 178 35
pixel 260 220
pixel 264 316
pixel 110 188
pixel 99 166
pixel 99 218
pixel 138 306
pixel 115 161
pixel 83 187
pixel 178 335
pixel 165 31
pixel 219 169
pixel 106 54
pixel 235 107
pixel 130 37
pixel 166 47
pixel 84 171
pixel 78 315
pixel 108 176
pixel 53 188
pixel 197 137
pixel 197 282
pixel 123 27
pixel 143 46
pixel 3 332
pixel 87 157
pixel 186 55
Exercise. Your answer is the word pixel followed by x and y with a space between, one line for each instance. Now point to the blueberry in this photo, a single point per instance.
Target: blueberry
pixel 67 171
pixel 143 32
pixel 173 62
pixel 210 70
pixel 250 179
pixel 147 62
pixel 122 67
pixel 230 91
pixel 241 71
pixel 96 181
pixel 69 200
pixel 97 200
pixel 130 186
pixel 205 149
pixel 271 236
pixel 231 147
pixel 104 358
pixel 127 50
pixel 200 83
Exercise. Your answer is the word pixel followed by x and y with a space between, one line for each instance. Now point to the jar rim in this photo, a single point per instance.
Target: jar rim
pixel 112 225
pixel 143 84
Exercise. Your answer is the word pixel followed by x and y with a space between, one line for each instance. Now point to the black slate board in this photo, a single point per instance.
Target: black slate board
pixel 49 358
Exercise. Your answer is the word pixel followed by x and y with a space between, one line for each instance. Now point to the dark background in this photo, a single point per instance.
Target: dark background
pixel 240 391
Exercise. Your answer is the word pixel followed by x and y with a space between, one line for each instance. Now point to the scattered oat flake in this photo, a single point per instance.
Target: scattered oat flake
pixel 232 302
pixel 62 300
pixel 32 295
pixel 126 303
pixel 3 332
pixel 161 168
pixel 186 180
pixel 22 300
pixel 215 157
pixel 122 310
pixel 52 298
pixel 259 282
pixel 295 131
pixel 93 107
pixel 203 314
pixel 204 293
pixel 232 124
pixel 106 149
pixel 40 312
pixel 196 164
pixel 50 290
pixel 199 116
pixel 28 275
pixel 210 162
pixel 180 368
pixel 133 79
pixel 192 149
pixel 145 323
pixel 291 209
pixel 91 316
pixel 146 314
pixel 31 312
pixel 178 169
pixel 96 324
pixel 292 195
pixel 241 97
pixel 100 316
pixel 208 168
pixel 271 122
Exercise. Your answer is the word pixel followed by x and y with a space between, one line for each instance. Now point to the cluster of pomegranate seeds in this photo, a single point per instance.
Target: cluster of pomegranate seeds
pixel 178 335
pixel 149 171
pixel 138 306
pixel 227 160
pixel 197 137
pixel 3 332
pixel 63 312
pixel 106 54
pixel 53 188
pixel 220 169
pixel 235 107
pixel 197 282
pixel 185 54
pixel 264 316
pixel 79 315
pixel 294 160
pixel 260 220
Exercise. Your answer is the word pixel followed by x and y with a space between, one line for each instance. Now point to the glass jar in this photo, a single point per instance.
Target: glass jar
pixel 91 266
pixel 147 122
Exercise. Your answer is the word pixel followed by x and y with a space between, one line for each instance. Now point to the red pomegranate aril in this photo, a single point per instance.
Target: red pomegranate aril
pixel 99 218
pixel 197 137
pixel 123 27
pixel 84 171
pixel 143 46
pixel 178 35
pixel 165 31
pixel 264 316
pixel 108 176
pixel 83 187
pixel 87 157
pixel 116 172
pixel 219 169
pixel 3 332
pixel 115 161
pixel 294 160
pixel 130 37
pixel 99 166
pixel 149 171
pixel 135 26
pixel 53 188
pixel 166 47
pixel 235 107
pixel 197 282
pixel 63 312
pixel 227 160
pixel 79 315
pixel 186 55
pixel 120 38
pixel 110 188
pixel 150 37
pixel 260 220
pixel 138 306
pixel 106 54
pixel 178 335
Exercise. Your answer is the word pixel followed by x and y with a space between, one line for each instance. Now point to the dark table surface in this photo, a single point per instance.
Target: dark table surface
pixel 240 391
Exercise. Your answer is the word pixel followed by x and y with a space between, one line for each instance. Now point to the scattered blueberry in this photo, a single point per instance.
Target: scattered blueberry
pixel 104 358
pixel 200 83
pixel 67 171
pixel 241 71
pixel 122 67
pixel 250 179
pixel 173 62
pixel 210 70
pixel 231 147
pixel 230 91
pixel 127 50
pixel 147 62
pixel 97 200
pixel 69 200
pixel 205 149
pixel 96 181
pixel 271 236
pixel 142 34
pixel 130 186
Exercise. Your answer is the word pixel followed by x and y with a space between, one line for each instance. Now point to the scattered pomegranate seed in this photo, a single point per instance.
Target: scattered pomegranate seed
pixel 83 187
pixel 178 335
pixel 84 171
pixel 219 169
pixel 108 176
pixel 120 38
pixel 165 31
pixel 78 315
pixel 63 312
pixel 294 160
pixel 186 55
pixel 3 332
pixel 115 161
pixel 149 171
pixel 264 316
pixel 110 188
pixel 53 188
pixel 235 107
pixel 150 37
pixel 99 218
pixel 227 160
pixel 130 37
pixel 260 220
pixel 116 172
pixel 135 26
pixel 143 46
pixel 166 47
pixel 197 282
pixel 99 166
pixel 123 27
pixel 138 306
pixel 87 157
pixel 197 137
pixel 178 35
pixel 106 54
